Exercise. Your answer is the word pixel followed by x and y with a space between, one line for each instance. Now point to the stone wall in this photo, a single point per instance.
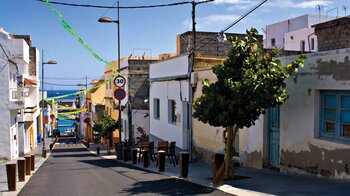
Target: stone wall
pixel 334 34
pixel 206 43
pixel 138 83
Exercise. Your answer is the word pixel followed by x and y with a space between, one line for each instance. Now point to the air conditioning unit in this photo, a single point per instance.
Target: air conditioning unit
pixel 194 79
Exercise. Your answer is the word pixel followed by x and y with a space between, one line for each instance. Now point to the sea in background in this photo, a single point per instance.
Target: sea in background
pixel 55 93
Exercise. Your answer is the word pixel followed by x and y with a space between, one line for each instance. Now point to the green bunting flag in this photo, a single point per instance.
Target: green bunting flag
pixel 83 43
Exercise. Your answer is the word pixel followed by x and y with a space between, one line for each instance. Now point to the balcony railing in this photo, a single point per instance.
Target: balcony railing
pixel 30 110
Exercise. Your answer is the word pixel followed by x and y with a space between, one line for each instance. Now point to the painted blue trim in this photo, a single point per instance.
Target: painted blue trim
pixel 336 136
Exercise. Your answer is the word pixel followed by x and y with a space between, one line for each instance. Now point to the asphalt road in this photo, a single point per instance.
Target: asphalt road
pixel 72 170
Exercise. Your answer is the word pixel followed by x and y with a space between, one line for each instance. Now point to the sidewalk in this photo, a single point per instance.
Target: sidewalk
pixel 38 162
pixel 251 181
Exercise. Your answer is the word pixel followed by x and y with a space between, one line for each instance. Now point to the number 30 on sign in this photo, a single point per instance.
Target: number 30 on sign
pixel 119 81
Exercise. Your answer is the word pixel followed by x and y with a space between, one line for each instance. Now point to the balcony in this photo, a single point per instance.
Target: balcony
pixel 30 113
pixel 18 94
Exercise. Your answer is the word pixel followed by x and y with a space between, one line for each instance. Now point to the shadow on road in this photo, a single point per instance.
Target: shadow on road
pixel 161 187
pixel 73 155
pixel 59 150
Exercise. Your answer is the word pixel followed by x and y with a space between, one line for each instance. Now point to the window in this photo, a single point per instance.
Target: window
pixel 171 111
pixel 312 43
pixel 335 115
pixel 156 108
pixel 273 42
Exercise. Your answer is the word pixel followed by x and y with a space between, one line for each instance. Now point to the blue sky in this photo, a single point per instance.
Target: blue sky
pixel 142 30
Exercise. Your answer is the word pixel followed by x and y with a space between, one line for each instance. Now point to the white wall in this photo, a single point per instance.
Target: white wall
pixel 141 118
pixel 164 91
pixel 279 29
pixel 18 52
pixel 293 40
pixel 302 149
pixel 177 66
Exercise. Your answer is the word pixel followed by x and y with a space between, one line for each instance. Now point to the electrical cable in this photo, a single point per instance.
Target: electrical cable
pixel 232 24
pixel 62 78
pixel 120 7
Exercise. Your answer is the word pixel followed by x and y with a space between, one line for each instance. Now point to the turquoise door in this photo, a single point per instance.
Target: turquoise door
pixel 274 136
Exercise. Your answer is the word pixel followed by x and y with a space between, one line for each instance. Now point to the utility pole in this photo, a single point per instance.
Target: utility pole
pixel 191 59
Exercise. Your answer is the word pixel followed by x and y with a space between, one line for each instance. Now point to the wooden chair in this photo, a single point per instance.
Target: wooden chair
pixel 171 152
pixel 149 146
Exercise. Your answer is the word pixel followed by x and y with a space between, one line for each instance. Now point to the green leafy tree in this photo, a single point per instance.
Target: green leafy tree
pixel 104 126
pixel 248 83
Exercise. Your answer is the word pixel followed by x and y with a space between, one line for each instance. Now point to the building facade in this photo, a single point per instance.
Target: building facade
pixel 15 60
pixel 135 108
pixel 309 133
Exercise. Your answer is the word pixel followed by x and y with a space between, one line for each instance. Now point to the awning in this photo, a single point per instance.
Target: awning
pixel 29 82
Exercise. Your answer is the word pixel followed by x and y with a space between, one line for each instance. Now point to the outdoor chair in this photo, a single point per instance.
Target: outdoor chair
pixel 169 151
pixel 149 146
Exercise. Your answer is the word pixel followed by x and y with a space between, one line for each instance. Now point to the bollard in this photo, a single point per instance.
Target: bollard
pixel 44 153
pixel 184 159
pixel 125 154
pixel 218 167
pixel 27 157
pixel 21 162
pixel 134 156
pixel 32 162
pixel 161 160
pixel 98 150
pixel 11 176
pixel 145 156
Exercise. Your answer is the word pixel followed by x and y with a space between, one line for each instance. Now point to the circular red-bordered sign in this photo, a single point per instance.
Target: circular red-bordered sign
pixel 119 81
pixel 119 94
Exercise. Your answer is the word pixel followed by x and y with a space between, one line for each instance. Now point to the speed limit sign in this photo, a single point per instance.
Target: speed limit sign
pixel 119 81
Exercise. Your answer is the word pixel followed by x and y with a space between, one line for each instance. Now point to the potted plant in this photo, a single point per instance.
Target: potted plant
pixel 127 145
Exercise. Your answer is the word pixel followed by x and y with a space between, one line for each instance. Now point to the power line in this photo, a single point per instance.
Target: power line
pixel 54 84
pixel 120 7
pixel 62 78
pixel 234 23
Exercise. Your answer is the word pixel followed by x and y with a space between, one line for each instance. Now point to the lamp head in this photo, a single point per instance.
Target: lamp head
pixel 51 62
pixel 107 20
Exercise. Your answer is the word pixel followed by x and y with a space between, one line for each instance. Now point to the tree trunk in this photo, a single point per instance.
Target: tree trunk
pixel 230 138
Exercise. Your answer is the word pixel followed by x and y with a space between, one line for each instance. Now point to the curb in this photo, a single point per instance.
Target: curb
pixel 20 185
pixel 224 188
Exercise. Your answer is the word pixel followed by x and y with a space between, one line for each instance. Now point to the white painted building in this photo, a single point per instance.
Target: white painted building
pixel 295 34
pixel 169 100
pixel 310 132
pixel 14 58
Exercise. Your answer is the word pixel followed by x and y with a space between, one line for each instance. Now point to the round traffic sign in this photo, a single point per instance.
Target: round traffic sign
pixel 119 81
pixel 119 94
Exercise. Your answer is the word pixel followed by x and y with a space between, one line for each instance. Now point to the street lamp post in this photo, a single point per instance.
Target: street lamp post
pixel 42 100
pixel 108 20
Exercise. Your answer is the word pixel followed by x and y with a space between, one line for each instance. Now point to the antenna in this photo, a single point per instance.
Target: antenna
pixel 319 8
pixel 345 7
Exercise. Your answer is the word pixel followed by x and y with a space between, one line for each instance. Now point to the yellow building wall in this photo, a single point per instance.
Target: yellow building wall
pixel 109 97
pixel 206 139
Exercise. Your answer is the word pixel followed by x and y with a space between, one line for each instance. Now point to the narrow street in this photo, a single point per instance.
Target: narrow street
pixel 72 170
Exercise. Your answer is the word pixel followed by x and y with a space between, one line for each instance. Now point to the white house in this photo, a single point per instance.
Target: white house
pixel 295 34
pixel 169 100
pixel 310 132
pixel 15 57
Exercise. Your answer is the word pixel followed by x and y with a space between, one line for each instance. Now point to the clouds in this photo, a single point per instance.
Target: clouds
pixel 215 20
pixel 246 4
